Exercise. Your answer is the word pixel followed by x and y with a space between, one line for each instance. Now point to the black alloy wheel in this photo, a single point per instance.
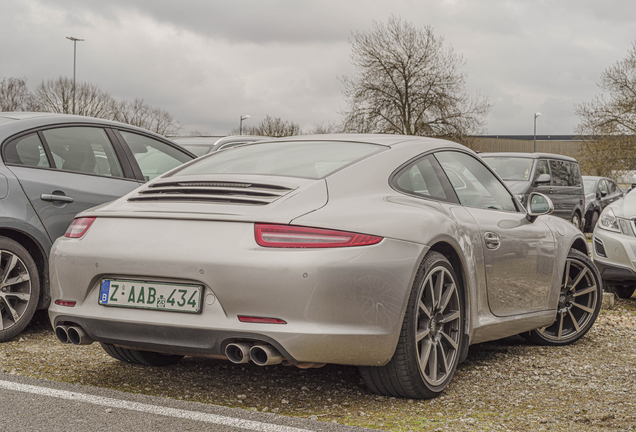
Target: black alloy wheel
pixel 19 288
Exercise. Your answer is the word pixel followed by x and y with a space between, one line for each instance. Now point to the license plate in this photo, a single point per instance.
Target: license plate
pixel 150 295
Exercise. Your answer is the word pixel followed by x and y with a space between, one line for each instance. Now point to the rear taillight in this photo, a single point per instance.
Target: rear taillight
pixel 286 236
pixel 79 227
pixel 67 303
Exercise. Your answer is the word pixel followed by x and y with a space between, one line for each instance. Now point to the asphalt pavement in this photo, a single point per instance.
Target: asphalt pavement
pixel 28 404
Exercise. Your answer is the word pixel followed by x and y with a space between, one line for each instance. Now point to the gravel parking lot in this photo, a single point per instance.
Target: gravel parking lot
pixel 509 384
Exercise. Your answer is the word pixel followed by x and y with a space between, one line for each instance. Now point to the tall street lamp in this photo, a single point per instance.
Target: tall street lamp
pixel 75 40
pixel 537 114
pixel 245 117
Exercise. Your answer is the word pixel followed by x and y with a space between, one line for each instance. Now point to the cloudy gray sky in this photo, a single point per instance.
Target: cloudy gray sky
pixel 210 61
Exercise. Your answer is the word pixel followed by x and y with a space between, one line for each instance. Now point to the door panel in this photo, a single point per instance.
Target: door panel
pixel 519 260
pixel 86 191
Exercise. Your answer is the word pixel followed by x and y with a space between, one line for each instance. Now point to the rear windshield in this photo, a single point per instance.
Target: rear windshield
pixel 511 168
pixel 310 159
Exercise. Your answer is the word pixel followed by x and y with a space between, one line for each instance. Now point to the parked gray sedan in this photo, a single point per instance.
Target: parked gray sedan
pixel 388 252
pixel 54 166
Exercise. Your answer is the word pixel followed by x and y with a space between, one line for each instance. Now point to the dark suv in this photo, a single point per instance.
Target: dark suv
pixel 556 176
pixel 599 193
pixel 53 167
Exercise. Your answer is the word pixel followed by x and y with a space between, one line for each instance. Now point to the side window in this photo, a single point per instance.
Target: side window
pixel 27 151
pixel 602 186
pixel 542 168
pixel 613 188
pixel 422 179
pixel 574 175
pixel 83 149
pixel 560 172
pixel 474 184
pixel 154 157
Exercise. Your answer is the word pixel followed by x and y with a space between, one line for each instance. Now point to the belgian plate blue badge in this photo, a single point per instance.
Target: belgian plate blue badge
pixel 103 296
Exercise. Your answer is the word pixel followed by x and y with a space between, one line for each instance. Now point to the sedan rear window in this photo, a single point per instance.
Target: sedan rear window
pixel 310 159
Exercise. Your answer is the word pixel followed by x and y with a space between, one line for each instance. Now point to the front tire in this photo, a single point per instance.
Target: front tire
pixel 593 221
pixel 579 303
pixel 576 220
pixel 147 358
pixel 19 288
pixel 430 343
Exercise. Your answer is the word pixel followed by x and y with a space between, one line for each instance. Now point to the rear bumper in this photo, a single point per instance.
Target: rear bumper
pixel 342 305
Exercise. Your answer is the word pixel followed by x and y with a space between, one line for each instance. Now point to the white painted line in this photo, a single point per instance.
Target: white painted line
pixel 147 408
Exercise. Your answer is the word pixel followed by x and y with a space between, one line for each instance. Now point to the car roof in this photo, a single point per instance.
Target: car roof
pixel 16 122
pixel 530 155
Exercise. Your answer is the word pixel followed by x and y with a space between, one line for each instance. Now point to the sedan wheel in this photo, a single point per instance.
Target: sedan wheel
pixel 19 288
pixel 579 303
pixel 576 220
pixel 430 342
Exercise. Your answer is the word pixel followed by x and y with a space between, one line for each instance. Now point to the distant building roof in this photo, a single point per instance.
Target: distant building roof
pixel 531 137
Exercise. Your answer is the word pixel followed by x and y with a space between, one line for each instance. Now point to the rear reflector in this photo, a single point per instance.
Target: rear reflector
pixel 261 320
pixel 68 303
pixel 287 236
pixel 79 227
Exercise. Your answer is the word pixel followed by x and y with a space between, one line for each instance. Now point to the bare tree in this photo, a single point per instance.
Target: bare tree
pixel 56 95
pixel 609 120
pixel 325 128
pixel 14 94
pixel 407 82
pixel 272 127
pixel 140 114
pixel 615 113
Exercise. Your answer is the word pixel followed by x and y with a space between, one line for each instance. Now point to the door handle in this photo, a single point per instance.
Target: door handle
pixel 52 197
pixel 492 240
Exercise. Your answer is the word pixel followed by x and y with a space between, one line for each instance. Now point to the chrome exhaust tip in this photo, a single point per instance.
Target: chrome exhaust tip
pixel 61 332
pixel 77 336
pixel 238 352
pixel 265 355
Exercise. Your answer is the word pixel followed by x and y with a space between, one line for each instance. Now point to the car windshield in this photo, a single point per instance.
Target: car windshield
pixel 511 168
pixel 311 159
pixel 588 186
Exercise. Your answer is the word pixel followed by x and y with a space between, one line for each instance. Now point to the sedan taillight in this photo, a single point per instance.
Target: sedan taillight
pixel 286 236
pixel 79 227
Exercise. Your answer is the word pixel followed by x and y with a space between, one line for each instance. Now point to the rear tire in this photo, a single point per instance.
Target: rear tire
pixel 624 291
pixel 579 303
pixel 19 288
pixel 430 342
pixel 147 358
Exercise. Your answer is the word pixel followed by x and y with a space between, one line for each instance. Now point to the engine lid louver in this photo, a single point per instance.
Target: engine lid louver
pixel 212 192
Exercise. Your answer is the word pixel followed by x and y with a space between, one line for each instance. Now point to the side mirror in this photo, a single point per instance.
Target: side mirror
pixel 543 178
pixel 603 193
pixel 538 204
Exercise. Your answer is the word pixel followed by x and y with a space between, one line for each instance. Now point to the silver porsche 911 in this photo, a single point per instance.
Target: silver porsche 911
pixel 392 253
